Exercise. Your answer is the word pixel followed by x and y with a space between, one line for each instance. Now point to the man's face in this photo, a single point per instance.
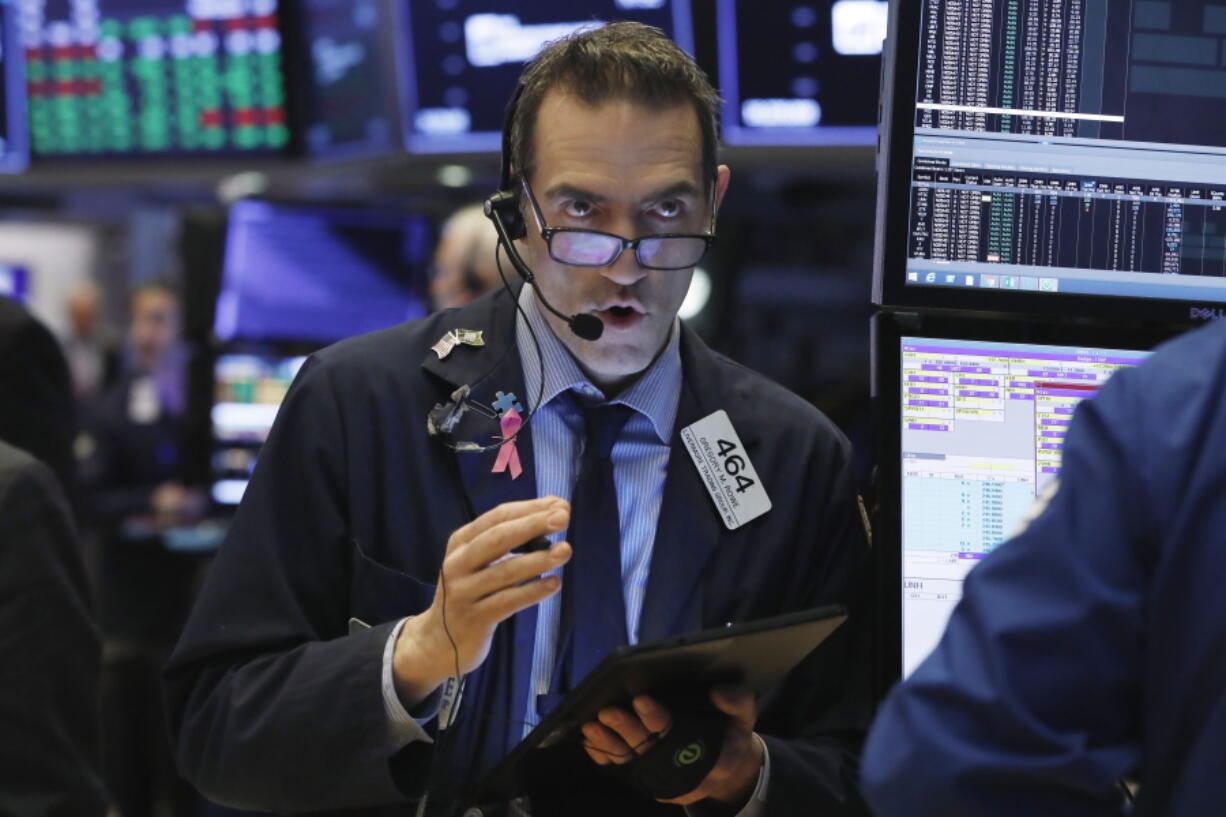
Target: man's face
pixel 626 169
pixel 155 325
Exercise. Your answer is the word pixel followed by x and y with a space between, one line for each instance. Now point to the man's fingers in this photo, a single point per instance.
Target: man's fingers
pixel 654 716
pixel 603 745
pixel 502 513
pixel 517 570
pixel 498 540
pixel 628 727
pixel 506 603
pixel 738 703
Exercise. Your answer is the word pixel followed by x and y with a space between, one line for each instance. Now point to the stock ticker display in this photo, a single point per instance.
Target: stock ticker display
pixel 983 427
pixel 464 58
pixel 1071 146
pixel 137 77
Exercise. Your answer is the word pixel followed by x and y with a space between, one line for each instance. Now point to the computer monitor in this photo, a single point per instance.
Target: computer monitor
pixel 972 418
pixel 350 105
pixel 462 58
pixel 818 85
pixel 297 272
pixel 154 77
pixel 247 392
pixel 14 134
pixel 1062 157
pixel 15 282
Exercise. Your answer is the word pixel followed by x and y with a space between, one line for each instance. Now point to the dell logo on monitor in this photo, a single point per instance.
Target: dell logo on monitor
pixel 1207 313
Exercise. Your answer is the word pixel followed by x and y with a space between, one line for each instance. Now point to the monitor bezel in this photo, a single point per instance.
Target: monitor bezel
pixel 900 67
pixel 888 328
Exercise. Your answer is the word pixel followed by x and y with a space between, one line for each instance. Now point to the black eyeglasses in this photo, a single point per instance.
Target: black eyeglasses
pixel 593 248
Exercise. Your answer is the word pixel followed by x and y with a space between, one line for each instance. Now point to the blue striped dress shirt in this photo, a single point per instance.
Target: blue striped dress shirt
pixel 640 462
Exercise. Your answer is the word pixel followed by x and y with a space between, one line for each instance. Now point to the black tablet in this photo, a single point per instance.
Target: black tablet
pixel 756 654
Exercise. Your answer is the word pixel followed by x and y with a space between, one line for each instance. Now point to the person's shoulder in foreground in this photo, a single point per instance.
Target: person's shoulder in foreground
pixel 49 651
pixel 1092 647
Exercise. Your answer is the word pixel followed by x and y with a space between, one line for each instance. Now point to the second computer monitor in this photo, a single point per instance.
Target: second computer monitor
pixel 1059 157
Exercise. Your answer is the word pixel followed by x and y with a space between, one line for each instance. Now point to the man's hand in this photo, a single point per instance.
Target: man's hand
pixel 477 589
pixel 619 736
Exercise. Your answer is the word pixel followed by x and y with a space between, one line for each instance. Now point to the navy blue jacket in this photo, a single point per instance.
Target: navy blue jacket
pixel 274 706
pixel 1092 646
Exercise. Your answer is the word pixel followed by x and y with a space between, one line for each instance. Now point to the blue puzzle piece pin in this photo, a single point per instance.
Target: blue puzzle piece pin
pixel 505 402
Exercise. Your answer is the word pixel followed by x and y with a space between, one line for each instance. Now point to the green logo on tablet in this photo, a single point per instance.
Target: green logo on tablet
pixel 689 755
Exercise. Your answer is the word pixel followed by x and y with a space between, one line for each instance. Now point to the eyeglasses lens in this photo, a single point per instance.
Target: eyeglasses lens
pixel 671 253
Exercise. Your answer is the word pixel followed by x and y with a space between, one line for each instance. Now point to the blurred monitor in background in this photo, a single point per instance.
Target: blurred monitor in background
pixel 14 134
pixel 92 352
pixel 819 84
pixel 15 283
pixel 464 260
pixel 248 388
pixel 351 106
pixel 305 273
pixel 462 58
pixel 154 77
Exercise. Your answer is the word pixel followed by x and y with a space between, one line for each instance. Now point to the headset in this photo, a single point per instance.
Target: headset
pixel 503 209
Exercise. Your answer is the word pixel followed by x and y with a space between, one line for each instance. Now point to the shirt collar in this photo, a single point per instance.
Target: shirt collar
pixel 655 395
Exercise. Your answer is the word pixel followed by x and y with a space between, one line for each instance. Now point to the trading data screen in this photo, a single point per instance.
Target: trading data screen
pixel 983 428
pixel 350 107
pixel 247 391
pixel 464 58
pixel 170 77
pixel 1070 146
pixel 301 273
pixel 818 85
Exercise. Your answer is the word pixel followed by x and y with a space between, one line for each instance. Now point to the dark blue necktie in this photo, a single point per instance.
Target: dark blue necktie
pixel 593 607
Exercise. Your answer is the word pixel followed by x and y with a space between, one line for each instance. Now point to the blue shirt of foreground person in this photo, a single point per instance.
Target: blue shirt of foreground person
pixel 1093 646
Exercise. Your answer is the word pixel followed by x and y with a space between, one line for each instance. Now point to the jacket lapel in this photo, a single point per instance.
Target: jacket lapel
pixel 487 370
pixel 689 529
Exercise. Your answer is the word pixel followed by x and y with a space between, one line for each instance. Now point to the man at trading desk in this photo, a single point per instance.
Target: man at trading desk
pixel 370 560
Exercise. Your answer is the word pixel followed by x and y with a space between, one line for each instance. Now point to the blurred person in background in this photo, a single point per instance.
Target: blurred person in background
pixel 92 352
pixel 464 265
pixel 49 645
pixel 132 472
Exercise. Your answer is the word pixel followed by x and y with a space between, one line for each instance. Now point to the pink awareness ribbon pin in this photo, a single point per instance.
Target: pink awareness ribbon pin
pixel 508 454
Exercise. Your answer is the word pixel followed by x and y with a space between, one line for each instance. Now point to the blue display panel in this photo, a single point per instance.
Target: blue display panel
pixel 14 136
pixel 350 106
pixel 800 73
pixel 154 77
pixel 304 273
pixel 982 430
pixel 462 58
pixel 15 283
pixel 247 392
pixel 1075 146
